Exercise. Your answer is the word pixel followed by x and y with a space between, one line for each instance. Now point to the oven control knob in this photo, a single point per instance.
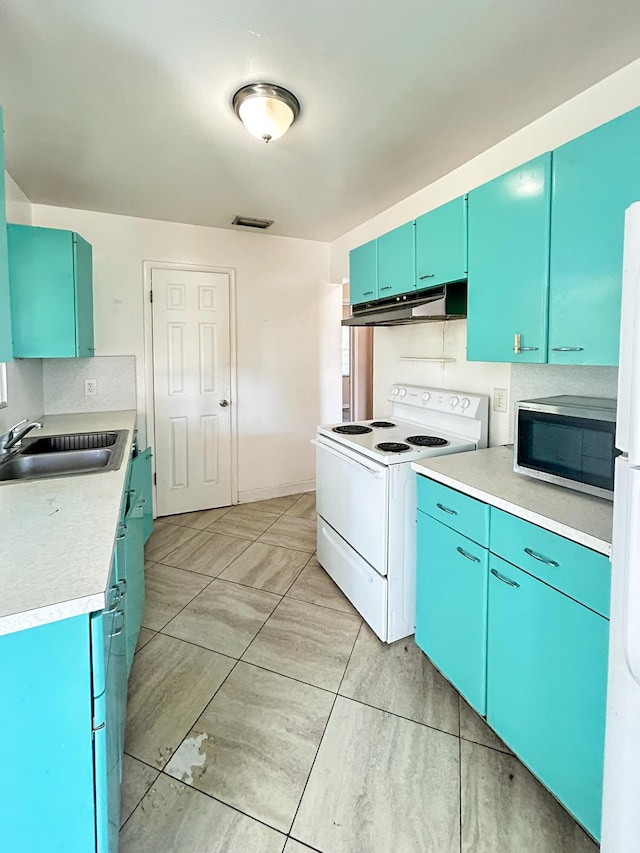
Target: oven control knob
pixel 403 392
pixel 426 397
pixel 466 402
pixel 394 392
pixel 453 402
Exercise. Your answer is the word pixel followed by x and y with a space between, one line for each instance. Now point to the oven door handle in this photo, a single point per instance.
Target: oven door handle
pixel 373 472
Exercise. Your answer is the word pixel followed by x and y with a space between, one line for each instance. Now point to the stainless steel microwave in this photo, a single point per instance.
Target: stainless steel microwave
pixel 569 441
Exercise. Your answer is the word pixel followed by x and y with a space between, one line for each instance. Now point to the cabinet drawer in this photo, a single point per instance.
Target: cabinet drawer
pixel 460 512
pixel 575 570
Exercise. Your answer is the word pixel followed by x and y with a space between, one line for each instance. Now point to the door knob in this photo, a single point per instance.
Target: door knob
pixel 224 403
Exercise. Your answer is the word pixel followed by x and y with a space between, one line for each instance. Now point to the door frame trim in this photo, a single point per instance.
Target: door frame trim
pixel 148 267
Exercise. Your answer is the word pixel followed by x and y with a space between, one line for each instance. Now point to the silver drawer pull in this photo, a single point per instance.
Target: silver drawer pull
pixel 122 532
pixel 503 579
pixel 123 588
pixel 467 555
pixel 567 349
pixel 447 510
pixel 540 559
pixel 388 287
pixel 428 275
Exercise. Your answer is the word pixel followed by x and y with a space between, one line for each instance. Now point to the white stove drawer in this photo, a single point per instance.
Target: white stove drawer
pixel 363 586
pixel 352 496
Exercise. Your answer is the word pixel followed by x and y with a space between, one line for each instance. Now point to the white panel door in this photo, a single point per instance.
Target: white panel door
pixel 192 385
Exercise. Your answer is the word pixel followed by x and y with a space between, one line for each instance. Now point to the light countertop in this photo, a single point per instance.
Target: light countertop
pixel 57 535
pixel 488 475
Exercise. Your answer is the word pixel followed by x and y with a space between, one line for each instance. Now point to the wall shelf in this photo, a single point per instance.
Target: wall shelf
pixel 424 358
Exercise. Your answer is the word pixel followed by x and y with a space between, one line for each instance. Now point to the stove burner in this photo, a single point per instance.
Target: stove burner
pixel 427 441
pixel 393 447
pixel 352 429
pixel 381 424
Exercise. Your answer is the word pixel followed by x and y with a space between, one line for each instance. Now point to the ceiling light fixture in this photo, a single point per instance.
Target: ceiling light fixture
pixel 266 110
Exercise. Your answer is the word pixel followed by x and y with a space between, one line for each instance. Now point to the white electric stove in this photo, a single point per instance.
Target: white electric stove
pixel 366 496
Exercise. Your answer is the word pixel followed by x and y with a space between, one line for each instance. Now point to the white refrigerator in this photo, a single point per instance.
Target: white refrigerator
pixel 621 800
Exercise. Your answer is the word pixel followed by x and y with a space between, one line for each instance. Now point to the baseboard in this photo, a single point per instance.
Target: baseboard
pixel 251 495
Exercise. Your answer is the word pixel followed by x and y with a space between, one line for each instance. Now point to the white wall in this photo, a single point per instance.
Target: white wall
pixel 288 338
pixel 606 100
pixel 24 376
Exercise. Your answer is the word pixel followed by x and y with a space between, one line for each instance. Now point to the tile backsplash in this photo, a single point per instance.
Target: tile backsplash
pixel 63 384
pixel 529 381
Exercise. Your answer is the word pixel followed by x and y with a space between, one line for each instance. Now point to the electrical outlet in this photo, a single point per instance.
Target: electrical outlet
pixel 499 399
pixel 90 387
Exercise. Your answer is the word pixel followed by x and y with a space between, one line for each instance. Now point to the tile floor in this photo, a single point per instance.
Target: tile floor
pixel 265 716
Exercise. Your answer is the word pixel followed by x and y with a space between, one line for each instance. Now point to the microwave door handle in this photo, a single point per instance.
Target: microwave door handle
pixel 373 472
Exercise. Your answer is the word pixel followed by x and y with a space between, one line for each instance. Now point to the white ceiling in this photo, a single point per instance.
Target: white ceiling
pixel 124 105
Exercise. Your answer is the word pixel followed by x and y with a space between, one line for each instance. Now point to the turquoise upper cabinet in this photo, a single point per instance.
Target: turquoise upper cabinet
pixel 6 351
pixel 509 229
pixel 396 261
pixel 50 277
pixel 546 685
pixel 441 244
pixel 363 273
pixel 596 177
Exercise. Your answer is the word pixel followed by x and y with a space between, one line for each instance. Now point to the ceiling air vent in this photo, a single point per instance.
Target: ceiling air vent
pixel 250 222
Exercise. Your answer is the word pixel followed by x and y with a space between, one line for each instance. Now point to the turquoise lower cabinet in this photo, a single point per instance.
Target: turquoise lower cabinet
pixel 509 232
pixel 396 261
pixel 451 607
pixel 6 349
pixel 60 724
pixel 596 177
pixel 441 244
pixel 51 287
pixel 141 482
pixel 546 686
pixel 363 273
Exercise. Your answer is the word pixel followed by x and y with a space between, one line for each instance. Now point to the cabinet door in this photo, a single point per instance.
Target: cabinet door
pixel 83 281
pixel 595 178
pixel 451 607
pixel 134 562
pixel 47 801
pixel 42 283
pixel 363 273
pixel 396 261
pixel 441 244
pixel 141 483
pixel 6 350
pixel 546 686
pixel 509 225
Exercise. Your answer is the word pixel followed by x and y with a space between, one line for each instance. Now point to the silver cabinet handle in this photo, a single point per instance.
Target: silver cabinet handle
pixel 97 728
pixel 467 555
pixel 115 590
pixel 540 559
pixel 446 509
pixel 388 287
pixel 120 628
pixel 516 345
pixel 567 349
pixel 122 532
pixel 428 275
pixel 368 293
pixel 224 403
pixel 122 585
pixel 503 579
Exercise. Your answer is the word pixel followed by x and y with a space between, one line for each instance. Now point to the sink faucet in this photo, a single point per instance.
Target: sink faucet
pixel 12 438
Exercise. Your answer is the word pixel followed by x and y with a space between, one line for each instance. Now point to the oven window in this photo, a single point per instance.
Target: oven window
pixel 579 449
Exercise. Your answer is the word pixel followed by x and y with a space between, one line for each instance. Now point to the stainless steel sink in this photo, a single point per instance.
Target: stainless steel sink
pixel 61 455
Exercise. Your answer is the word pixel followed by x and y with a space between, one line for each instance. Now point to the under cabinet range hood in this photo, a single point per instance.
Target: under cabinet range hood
pixel 447 302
